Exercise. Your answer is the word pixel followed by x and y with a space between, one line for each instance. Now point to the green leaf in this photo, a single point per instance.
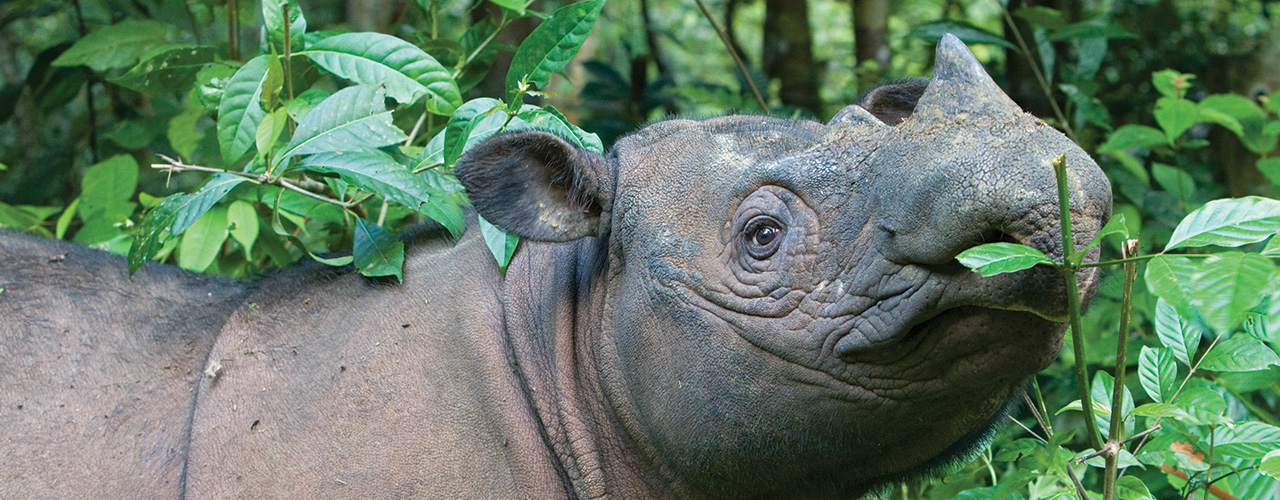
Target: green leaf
pixel 405 71
pixel 515 5
pixel 1093 28
pixel 1174 180
pixel 377 252
pixel 174 215
pixel 551 46
pixel 273 22
pixel 1157 373
pixel 1133 136
pixel 1175 116
pixel 202 242
pixel 1089 106
pixel 997 258
pixel 240 113
pixel 1249 440
pixel 1171 83
pixel 474 121
pixel 1270 168
pixel 1116 225
pixel 1228 222
pixel 967 33
pixel 64 220
pixel 168 71
pixel 182 132
pixel 1132 488
pixel 1240 353
pixel 550 120
pixel 501 244
pixel 1227 285
pixel 374 171
pixel 1168 410
pixel 1176 334
pixel 1271 464
pixel 244 225
pixel 1101 391
pixel 352 119
pixel 17 218
pixel 118 45
pixel 106 183
pixel 269 131
pixel 1041 16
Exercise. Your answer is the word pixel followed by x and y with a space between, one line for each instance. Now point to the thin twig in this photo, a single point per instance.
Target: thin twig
pixel 177 166
pixel 1028 429
pixel 1035 69
pixel 724 38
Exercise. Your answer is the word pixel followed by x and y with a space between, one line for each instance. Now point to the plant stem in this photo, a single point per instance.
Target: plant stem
pixel 177 166
pixel 1073 302
pixel 233 31
pixel 1116 436
pixel 1035 69
pixel 724 38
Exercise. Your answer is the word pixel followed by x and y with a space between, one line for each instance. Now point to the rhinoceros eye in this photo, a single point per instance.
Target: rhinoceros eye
pixel 763 235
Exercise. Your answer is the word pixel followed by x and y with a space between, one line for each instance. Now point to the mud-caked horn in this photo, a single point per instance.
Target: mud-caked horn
pixel 961 88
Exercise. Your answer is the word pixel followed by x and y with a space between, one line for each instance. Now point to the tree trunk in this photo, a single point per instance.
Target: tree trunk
pixel 870 29
pixel 788 54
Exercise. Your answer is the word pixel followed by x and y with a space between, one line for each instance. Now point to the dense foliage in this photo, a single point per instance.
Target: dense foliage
pixel 305 132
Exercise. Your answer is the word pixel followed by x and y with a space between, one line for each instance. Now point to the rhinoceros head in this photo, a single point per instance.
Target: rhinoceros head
pixel 782 306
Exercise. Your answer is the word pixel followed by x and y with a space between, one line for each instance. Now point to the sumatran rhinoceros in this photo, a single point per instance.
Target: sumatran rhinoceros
pixel 737 307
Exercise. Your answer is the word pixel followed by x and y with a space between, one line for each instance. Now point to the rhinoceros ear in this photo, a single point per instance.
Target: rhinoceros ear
pixel 894 102
pixel 536 185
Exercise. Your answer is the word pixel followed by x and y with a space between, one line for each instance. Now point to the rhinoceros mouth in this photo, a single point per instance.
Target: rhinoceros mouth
pixel 985 340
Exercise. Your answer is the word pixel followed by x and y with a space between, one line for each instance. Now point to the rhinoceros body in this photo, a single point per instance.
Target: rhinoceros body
pixel 738 307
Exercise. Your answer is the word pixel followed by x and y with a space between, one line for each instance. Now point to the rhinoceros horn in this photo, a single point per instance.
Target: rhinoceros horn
pixel 961 88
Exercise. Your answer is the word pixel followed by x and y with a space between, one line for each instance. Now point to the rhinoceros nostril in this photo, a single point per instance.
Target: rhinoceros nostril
pixel 995 236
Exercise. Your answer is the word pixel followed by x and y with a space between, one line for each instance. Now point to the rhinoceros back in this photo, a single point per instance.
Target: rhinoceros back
pixel 97 388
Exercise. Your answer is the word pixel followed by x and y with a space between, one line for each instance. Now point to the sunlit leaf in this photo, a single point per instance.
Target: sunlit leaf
pixel 174 215
pixel 375 171
pixel 551 46
pixel 202 242
pixel 1157 373
pixel 1176 334
pixel 501 244
pixel 472 122
pixel 1228 222
pixel 996 258
pixel 243 219
pixel 1271 464
pixel 1249 440
pixel 1240 353
pixel 352 119
pixel 1133 136
pixel 404 70
pixel 240 112
pixel 273 22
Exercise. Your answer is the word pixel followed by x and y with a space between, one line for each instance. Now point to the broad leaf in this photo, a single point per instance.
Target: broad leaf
pixel 1171 83
pixel 1271 464
pixel 405 71
pixel 1226 286
pixel 376 251
pixel 1157 373
pixel 1228 222
pixel 240 113
pixel 273 22
pixel 1240 353
pixel 966 32
pixel 1133 136
pixel 515 5
pixel 472 122
pixel 1249 440
pixel 1101 390
pixel 997 258
pixel 551 46
pixel 1176 334
pixel 269 131
pixel 501 244
pixel 1116 225
pixel 1175 116
pixel 1093 28
pixel 202 242
pixel 174 215
pixel 1174 180
pixel 352 119
pixel 243 219
pixel 375 171
pixel 550 120
pixel 118 45
pixel 168 71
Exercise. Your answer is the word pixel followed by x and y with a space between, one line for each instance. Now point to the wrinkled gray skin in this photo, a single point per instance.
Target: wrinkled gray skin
pixel 649 340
